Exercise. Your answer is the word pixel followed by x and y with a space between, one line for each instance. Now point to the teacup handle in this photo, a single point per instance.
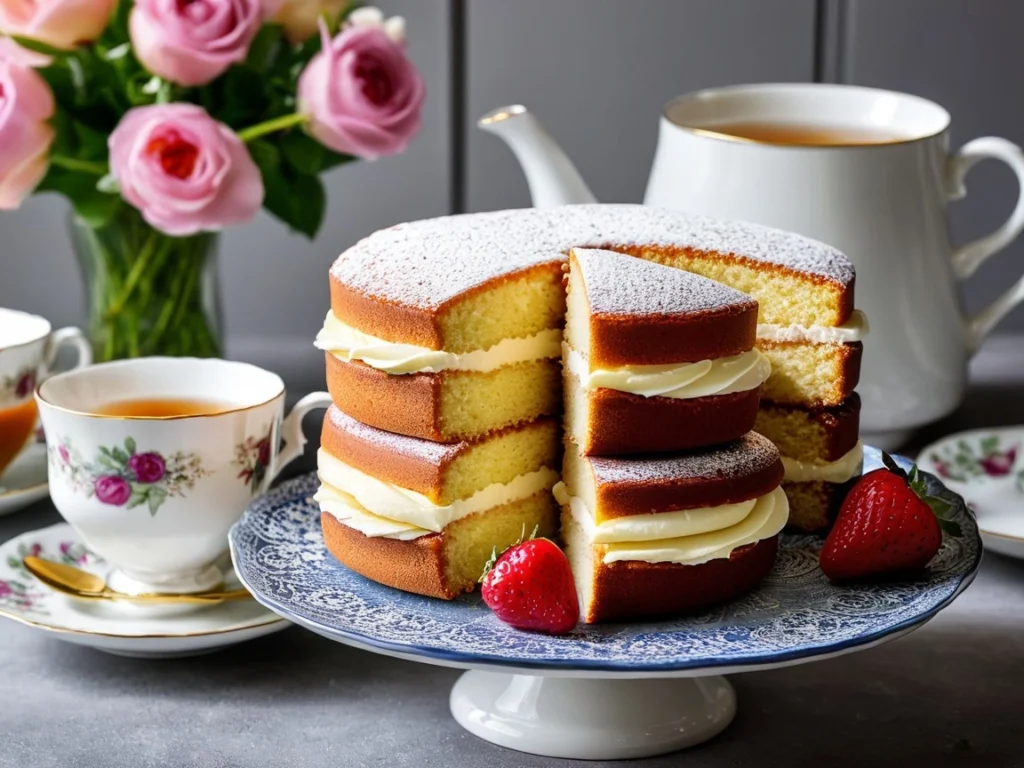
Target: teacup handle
pixel 969 256
pixel 291 428
pixel 69 336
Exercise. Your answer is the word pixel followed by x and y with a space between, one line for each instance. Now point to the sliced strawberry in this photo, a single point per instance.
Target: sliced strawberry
pixel 887 523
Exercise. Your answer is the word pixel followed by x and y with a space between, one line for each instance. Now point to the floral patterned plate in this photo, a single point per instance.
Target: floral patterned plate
pixel 795 615
pixel 120 629
pixel 986 467
pixel 24 482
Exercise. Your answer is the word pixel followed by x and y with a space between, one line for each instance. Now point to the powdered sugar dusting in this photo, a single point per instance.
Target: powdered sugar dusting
pixel 413 447
pixel 426 263
pixel 749 455
pixel 623 285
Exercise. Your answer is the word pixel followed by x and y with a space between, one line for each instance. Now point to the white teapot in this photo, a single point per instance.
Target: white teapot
pixel 883 204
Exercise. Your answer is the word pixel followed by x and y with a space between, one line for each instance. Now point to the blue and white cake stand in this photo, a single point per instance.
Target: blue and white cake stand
pixel 606 691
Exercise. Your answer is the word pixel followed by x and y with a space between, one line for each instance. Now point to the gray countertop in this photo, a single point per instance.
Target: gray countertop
pixel 950 694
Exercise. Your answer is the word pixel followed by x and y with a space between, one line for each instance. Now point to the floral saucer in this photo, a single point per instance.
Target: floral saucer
pixel 24 482
pixel 121 629
pixel 986 467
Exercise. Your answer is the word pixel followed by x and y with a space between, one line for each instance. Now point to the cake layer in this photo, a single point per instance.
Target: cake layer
pixel 442 472
pixel 464 283
pixel 811 434
pixel 444 564
pixel 744 469
pixel 813 505
pixel 631 589
pixel 607 422
pixel 815 375
pixel 449 406
pixel 622 311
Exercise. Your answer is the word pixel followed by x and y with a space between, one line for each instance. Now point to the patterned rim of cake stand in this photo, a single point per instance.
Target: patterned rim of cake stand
pixel 795 615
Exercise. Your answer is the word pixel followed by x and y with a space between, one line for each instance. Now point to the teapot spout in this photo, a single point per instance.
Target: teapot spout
pixel 550 174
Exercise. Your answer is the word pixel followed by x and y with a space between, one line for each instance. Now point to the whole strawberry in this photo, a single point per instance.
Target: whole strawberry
pixel 530 586
pixel 887 524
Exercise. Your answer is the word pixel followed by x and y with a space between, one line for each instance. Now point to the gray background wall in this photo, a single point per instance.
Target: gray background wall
pixel 596 72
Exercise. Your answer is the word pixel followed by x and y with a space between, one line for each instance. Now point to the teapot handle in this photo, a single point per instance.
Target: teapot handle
pixel 969 256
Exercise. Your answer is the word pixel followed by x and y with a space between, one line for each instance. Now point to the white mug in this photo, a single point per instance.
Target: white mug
pixel 884 205
pixel 155 496
pixel 28 349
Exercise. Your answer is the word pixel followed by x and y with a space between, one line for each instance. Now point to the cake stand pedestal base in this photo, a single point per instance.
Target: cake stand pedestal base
pixel 592 719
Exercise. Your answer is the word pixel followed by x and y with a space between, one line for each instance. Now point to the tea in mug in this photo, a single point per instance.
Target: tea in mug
pixel 163 407
pixel 800 134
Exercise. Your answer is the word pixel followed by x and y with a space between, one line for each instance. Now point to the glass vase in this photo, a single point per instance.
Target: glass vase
pixel 148 293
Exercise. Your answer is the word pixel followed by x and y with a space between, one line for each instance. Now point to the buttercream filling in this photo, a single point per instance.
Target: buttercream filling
pixel 402 505
pixel 347 511
pixel 660 525
pixel 722 376
pixel 854 329
pixel 767 517
pixel 347 343
pixel 838 471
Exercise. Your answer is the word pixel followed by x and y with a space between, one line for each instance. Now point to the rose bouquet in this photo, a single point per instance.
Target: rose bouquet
pixel 164 121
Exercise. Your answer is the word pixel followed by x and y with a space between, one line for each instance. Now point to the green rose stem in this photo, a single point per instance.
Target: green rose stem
pixel 149 293
pixel 74 164
pixel 270 126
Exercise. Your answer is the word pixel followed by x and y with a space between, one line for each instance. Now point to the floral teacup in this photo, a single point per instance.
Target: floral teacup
pixel 28 348
pixel 155 496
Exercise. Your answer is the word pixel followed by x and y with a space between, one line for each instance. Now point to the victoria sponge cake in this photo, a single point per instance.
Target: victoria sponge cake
pixel 462 351
pixel 656 359
pixel 656 536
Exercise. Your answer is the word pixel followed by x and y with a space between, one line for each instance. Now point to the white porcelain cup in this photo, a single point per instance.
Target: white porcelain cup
pixel 884 205
pixel 28 349
pixel 155 496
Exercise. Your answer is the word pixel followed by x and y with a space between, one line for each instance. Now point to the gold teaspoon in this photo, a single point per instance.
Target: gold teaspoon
pixel 87 586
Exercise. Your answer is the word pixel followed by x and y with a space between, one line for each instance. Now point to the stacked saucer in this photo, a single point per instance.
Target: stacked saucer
pixel 117 627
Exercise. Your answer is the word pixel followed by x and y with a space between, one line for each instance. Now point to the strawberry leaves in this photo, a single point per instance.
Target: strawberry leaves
pixel 940 507
pixel 495 554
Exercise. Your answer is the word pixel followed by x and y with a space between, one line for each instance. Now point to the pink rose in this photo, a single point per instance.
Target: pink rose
pixel 60 23
pixel 191 43
pixel 999 463
pixel 23 57
pixel 361 95
pixel 148 467
pixel 113 490
pixel 183 170
pixel 25 135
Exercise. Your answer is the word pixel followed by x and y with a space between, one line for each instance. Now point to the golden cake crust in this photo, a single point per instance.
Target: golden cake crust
pixel 408 324
pixel 744 469
pixel 634 590
pixel 410 404
pixel 412 566
pixel 644 313
pixel 621 423
pixel 396 283
pixel 413 463
pixel 419 565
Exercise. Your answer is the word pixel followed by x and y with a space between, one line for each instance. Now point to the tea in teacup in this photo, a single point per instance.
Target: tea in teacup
pixel 27 350
pixel 152 460
pixel 805 134
pixel 163 407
